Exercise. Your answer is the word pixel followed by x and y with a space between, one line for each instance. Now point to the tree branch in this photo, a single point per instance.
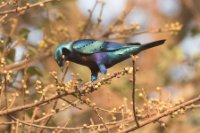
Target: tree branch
pixel 26 7
pixel 164 114
pixel 81 91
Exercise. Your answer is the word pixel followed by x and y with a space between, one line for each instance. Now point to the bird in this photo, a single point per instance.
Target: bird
pixel 98 55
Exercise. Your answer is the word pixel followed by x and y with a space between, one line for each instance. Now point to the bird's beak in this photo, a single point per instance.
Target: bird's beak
pixel 62 68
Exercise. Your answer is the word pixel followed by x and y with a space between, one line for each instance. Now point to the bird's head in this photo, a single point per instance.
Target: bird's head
pixel 62 53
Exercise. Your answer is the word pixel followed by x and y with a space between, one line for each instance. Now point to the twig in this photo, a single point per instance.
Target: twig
pixel 12 102
pixel 96 28
pixel 102 120
pixel 133 92
pixel 82 90
pixel 46 123
pixel 26 7
pixel 194 10
pixel 3 18
pixel 1 96
pixel 44 127
pixel 52 113
pixel 88 20
pixel 71 103
pixel 21 65
pixel 65 125
pixel 186 105
pixel 100 15
pixel 119 21
pixel 148 121
pixel 5 91
pixel 164 114
pixel 59 128
pixel 4 4
pixel 17 126
pixel 33 118
pixel 15 121
pixel 95 110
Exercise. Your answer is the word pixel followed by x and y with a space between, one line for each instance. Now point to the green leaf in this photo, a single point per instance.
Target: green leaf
pixel 11 55
pixel 24 33
pixel 194 31
pixel 34 71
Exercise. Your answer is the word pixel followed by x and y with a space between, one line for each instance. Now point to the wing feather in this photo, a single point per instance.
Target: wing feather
pixel 89 46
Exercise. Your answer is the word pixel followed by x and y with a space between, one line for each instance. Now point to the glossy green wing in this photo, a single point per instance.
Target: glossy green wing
pixel 89 46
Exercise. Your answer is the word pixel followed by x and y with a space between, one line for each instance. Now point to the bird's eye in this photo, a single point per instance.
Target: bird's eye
pixel 63 56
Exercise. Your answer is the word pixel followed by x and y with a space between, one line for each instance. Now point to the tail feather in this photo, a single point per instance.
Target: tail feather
pixel 152 44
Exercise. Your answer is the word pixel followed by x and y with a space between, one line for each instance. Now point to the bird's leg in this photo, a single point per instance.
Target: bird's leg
pixel 94 75
pixel 102 68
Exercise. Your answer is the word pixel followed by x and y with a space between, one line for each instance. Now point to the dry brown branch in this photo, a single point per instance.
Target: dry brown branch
pixel 119 21
pixel 33 118
pixel 164 114
pixel 195 12
pixel 102 120
pixel 13 101
pixel 2 91
pixel 42 118
pixel 59 128
pixel 95 110
pixel 21 65
pixel 3 18
pixel 82 90
pixel 133 91
pixel 3 4
pixel 85 28
pixel 71 103
pixel 26 7
pixel 142 123
pixel 31 107
pixel 17 126
pixel 65 125
pixel 48 120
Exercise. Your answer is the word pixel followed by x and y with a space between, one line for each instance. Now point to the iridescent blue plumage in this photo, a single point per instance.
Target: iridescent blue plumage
pixel 98 55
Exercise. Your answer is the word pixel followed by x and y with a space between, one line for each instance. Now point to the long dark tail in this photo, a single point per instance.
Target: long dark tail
pixel 152 44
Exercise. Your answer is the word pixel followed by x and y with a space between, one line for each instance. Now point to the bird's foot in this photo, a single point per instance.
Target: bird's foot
pixel 102 68
pixel 94 77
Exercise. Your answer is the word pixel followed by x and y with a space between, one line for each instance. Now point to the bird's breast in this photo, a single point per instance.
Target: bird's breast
pixel 84 58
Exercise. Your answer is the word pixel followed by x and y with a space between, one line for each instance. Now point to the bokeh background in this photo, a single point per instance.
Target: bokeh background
pixel 174 66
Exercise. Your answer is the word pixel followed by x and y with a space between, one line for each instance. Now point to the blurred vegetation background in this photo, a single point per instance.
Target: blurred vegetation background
pixel 33 34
